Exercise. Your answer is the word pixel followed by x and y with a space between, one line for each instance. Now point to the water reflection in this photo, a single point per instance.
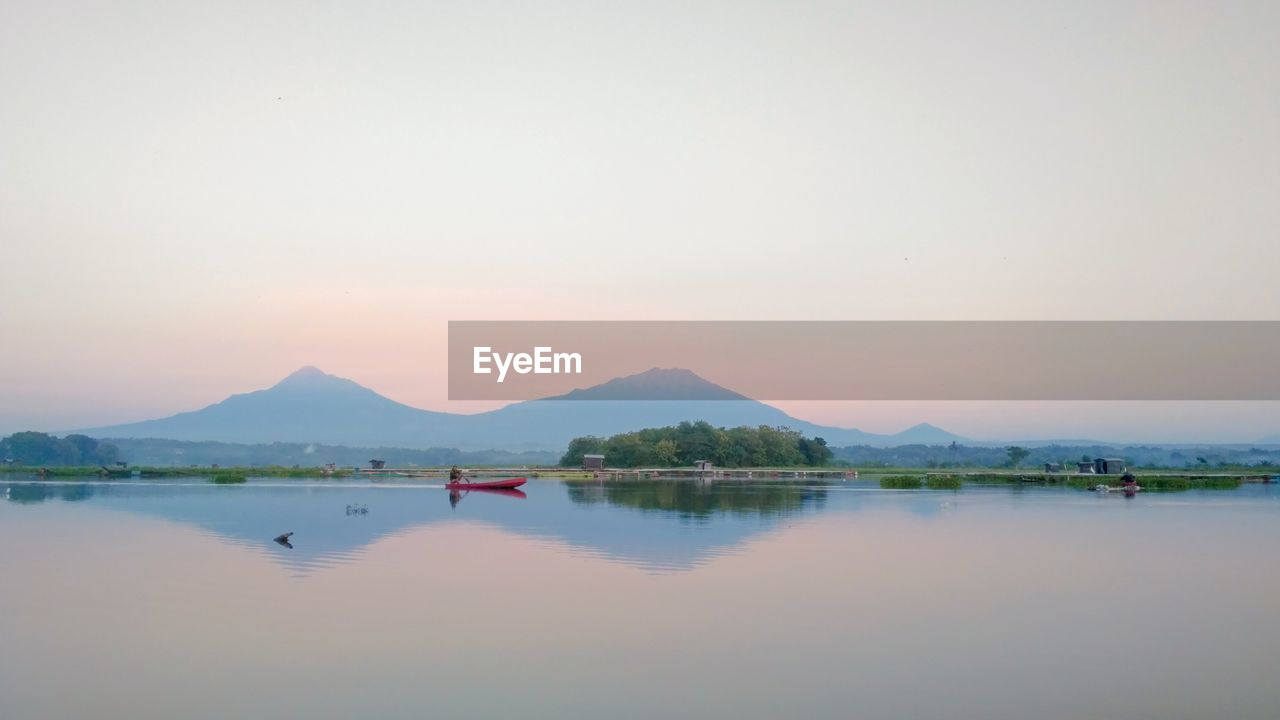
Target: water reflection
pixel 661 526
pixel 455 495
pixel 831 601
pixel 702 500
pixel 657 525
pixel 38 492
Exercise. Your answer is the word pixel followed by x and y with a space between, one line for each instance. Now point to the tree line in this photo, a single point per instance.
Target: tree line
pixel 43 450
pixel 689 442
pixel 37 448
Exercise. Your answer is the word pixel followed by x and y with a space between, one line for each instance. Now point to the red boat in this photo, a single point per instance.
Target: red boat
pixel 504 492
pixel 508 484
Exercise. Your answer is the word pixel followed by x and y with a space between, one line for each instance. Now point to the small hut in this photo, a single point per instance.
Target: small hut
pixel 1110 466
pixel 592 462
pixel 377 464
pixel 1053 467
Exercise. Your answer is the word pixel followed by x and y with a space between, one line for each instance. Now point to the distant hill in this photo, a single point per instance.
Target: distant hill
pixel 657 384
pixel 307 406
pixel 311 406
pixel 926 434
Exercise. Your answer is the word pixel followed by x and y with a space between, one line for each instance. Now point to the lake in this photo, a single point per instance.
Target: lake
pixel 166 599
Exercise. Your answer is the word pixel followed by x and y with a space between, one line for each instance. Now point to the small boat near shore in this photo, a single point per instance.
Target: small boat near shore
pixel 507 484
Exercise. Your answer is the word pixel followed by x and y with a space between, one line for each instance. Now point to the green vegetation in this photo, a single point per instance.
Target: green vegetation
pixel 942 482
pixel 39 449
pixel 1206 483
pixel 35 449
pixel 73 471
pixel 1195 460
pixel 688 442
pixel 1017 455
pixel 999 478
pixel 228 478
pixel 153 472
pixel 915 482
pixel 901 482
pixel 279 472
pixel 152 452
pixel 1154 483
pixel 1176 483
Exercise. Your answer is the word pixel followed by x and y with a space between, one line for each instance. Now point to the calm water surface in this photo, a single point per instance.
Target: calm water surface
pixel 660 600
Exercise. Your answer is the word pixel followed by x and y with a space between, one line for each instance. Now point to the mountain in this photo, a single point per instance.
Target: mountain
pixel 307 406
pixel 656 384
pixel 311 406
pixel 926 434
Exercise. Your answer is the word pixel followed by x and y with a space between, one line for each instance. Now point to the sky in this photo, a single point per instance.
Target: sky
pixel 198 198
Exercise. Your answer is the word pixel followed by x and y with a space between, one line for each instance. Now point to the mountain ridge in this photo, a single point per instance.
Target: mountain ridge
pixel 309 405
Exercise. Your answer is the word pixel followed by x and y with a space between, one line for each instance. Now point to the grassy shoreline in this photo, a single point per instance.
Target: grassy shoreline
pixel 86 471
pixel 1148 481
pixel 905 478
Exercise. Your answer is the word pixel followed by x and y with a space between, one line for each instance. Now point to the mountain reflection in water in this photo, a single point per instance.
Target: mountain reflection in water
pixel 641 600
pixel 660 525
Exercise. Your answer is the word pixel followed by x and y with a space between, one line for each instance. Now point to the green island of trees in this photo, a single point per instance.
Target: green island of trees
pixel 689 442
pixel 37 448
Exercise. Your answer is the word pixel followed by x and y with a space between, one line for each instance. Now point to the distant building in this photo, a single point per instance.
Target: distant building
pixel 592 462
pixel 1109 466
pixel 1053 467
pixel 703 464
pixel 377 464
pixel 1084 468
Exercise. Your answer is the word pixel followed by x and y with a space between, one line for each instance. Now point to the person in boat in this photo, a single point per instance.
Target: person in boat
pixel 455 475
pixel 1130 483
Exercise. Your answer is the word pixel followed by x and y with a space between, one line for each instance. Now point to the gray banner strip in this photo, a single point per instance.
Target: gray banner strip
pixel 868 360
